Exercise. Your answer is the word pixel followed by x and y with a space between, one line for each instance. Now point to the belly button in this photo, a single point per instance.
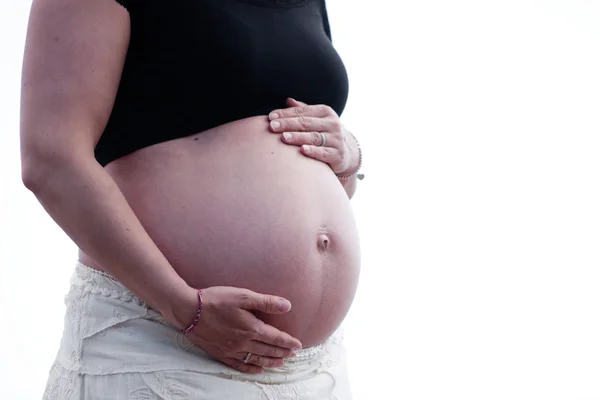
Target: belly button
pixel 323 242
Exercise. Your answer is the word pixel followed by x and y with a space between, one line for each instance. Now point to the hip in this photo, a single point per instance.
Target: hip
pixel 109 332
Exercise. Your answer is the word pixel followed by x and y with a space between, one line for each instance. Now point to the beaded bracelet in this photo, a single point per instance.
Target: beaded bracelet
pixel 355 172
pixel 194 324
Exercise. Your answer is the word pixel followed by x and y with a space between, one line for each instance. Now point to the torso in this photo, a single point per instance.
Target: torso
pixel 227 202
pixel 235 206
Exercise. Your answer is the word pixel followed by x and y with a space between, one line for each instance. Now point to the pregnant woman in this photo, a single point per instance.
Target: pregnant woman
pixel 192 150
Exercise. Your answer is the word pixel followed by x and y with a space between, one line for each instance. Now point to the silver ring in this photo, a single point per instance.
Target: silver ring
pixel 247 358
pixel 323 139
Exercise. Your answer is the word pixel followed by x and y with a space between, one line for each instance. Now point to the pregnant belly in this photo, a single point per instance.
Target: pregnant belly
pixel 234 206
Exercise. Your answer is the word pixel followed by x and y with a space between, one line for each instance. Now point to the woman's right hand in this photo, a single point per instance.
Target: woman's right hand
pixel 228 330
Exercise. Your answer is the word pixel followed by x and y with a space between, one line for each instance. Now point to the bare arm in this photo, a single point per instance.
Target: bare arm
pixel 74 56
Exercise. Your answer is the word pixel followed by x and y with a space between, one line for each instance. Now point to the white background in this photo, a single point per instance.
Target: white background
pixel 479 216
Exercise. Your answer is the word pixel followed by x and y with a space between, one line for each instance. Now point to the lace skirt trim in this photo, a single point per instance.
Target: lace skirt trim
pixel 113 342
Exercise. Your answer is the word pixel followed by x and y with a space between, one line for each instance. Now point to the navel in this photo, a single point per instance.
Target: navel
pixel 323 242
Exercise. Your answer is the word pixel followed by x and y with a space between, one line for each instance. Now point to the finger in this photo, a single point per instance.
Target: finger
pixel 273 336
pixel 291 102
pixel 303 124
pixel 267 350
pixel 315 110
pixel 240 366
pixel 265 303
pixel 310 138
pixel 262 361
pixel 327 155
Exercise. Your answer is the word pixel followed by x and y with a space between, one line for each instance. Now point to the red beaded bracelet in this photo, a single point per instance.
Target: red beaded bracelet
pixel 198 311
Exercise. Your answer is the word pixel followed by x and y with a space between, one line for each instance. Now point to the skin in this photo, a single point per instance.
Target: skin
pixel 266 224
pixel 300 125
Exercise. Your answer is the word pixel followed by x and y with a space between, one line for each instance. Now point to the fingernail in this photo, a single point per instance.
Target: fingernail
pixel 273 115
pixel 287 135
pixel 275 124
pixel 298 347
pixel 306 148
pixel 283 305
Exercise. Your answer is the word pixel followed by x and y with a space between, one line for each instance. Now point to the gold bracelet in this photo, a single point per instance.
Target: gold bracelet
pixel 355 172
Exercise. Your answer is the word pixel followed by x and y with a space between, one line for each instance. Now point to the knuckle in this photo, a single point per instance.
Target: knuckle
pixel 315 138
pixel 275 362
pixel 298 111
pixel 326 109
pixel 304 123
pixel 265 361
pixel 336 124
pixel 245 299
pixel 327 154
pixel 270 304
pixel 279 341
pixel 257 328
pixel 258 360
pixel 244 335
pixel 274 352
pixel 239 366
pixel 270 352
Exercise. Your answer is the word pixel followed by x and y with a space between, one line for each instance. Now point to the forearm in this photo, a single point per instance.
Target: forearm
pixel 87 204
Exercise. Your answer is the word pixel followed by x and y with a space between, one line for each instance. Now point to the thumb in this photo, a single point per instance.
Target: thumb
pixel 268 304
pixel 295 103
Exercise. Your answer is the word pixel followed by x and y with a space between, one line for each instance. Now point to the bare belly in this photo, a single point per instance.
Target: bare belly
pixel 234 206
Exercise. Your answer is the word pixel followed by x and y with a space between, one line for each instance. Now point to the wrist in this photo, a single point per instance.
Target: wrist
pixel 182 307
pixel 356 160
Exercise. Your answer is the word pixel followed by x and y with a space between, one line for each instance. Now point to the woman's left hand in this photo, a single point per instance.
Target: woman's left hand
pixel 318 131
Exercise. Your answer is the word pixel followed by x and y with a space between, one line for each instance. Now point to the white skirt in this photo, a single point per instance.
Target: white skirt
pixel 115 347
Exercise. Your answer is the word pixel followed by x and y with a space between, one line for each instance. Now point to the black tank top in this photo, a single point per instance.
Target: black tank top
pixel 196 64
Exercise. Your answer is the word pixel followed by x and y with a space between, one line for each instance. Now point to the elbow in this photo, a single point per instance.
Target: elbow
pixel 33 173
pixel 46 160
pixel 35 165
pixel 30 169
pixel 28 181
pixel 32 160
pixel 33 183
pixel 39 170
